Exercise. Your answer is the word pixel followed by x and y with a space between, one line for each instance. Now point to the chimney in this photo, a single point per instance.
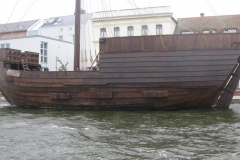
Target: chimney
pixel 202 15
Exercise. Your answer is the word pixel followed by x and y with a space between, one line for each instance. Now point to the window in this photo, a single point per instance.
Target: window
pixel 116 32
pixel 61 37
pixel 144 30
pixel 130 31
pixel 73 38
pixel 230 31
pixel 102 32
pixel 44 50
pixel 209 32
pixel 187 32
pixel 6 45
pixel 159 29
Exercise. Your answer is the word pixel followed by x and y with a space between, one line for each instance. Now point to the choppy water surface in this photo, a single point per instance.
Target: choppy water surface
pixel 51 134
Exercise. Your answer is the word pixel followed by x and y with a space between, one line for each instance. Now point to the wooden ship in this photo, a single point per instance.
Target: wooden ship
pixel 133 73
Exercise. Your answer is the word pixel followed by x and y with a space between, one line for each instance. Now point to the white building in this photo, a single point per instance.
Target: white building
pixel 57 33
pixel 133 22
pixel 49 50
pixel 63 28
pixel 121 23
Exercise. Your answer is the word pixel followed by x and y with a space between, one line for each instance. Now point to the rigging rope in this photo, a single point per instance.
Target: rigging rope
pixel 216 14
pixel 9 18
pixel 103 23
pixel 156 25
pixel 28 8
pixel 140 14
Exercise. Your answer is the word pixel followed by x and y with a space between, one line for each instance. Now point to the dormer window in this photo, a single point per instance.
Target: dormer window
pixel 187 32
pixel 209 32
pixel 230 31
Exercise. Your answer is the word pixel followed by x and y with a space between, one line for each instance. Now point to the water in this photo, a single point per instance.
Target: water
pixel 72 135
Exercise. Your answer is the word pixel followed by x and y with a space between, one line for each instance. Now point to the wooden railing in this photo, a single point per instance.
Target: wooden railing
pixel 168 43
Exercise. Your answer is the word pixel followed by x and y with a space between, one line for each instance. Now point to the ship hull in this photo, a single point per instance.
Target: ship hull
pixel 192 80
pixel 135 73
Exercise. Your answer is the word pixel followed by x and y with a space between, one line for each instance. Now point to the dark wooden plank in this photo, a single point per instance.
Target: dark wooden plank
pixel 40 74
pixel 149 74
pixel 155 80
pixel 95 95
pixel 159 94
pixel 47 80
pixel 165 64
pixel 171 54
pixel 171 59
pixel 168 69
pixel 60 96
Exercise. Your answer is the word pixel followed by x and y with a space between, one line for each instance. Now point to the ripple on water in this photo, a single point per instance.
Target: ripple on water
pixel 51 134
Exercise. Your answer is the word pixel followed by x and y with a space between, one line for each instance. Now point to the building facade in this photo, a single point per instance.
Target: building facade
pixel 49 49
pixel 63 28
pixel 17 29
pixel 132 22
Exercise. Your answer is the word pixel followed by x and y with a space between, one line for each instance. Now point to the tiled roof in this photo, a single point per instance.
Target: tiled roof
pixel 17 26
pixel 65 20
pixel 199 24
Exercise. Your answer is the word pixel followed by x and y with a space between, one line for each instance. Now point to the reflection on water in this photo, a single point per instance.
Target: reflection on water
pixel 54 134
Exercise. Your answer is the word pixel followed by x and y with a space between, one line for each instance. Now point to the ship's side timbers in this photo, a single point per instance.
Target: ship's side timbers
pixel 146 80
pixel 115 96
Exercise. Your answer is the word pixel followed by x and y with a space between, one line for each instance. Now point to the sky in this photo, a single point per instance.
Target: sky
pixel 43 9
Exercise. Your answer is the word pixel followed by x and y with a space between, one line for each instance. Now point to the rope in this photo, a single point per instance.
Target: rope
pixel 215 12
pixel 140 14
pixel 28 8
pixel 103 24
pixel 156 25
pixel 9 18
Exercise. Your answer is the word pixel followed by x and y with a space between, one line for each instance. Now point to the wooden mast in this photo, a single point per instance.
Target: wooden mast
pixel 77 36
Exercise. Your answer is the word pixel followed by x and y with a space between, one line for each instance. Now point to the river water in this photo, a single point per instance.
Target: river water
pixel 72 135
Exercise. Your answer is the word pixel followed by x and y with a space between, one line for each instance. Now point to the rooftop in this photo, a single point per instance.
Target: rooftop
pixel 65 20
pixel 18 26
pixel 202 23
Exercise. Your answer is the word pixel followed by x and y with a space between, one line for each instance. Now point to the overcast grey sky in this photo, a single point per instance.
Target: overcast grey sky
pixel 42 9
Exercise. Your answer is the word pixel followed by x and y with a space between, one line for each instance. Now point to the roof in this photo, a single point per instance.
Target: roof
pixel 65 20
pixel 199 24
pixel 17 26
pixel 35 36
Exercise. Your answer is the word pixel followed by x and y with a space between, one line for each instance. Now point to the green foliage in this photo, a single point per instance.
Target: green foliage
pixel 63 67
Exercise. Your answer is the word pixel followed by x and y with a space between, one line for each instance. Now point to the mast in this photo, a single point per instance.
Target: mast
pixel 77 36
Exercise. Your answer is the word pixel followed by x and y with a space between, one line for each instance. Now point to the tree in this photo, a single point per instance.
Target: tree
pixel 63 67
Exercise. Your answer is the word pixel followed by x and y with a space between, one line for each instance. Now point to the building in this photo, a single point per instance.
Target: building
pixel 132 22
pixel 49 49
pixel 120 23
pixel 208 24
pixel 17 29
pixel 63 29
